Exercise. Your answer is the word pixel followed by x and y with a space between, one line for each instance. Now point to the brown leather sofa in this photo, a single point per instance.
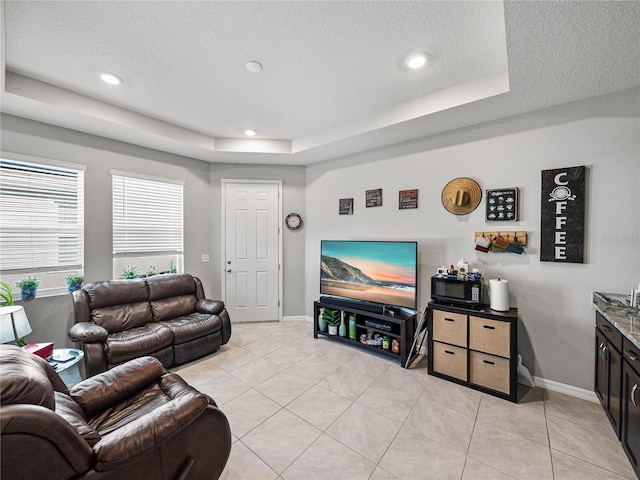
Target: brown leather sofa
pixel 134 421
pixel 165 316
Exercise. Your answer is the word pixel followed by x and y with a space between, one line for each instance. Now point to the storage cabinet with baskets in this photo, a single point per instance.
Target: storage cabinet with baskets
pixel 476 348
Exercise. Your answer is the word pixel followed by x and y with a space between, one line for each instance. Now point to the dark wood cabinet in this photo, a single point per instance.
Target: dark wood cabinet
pixel 474 347
pixel 617 385
pixel 396 324
pixel 630 432
pixel 608 370
pixel 630 415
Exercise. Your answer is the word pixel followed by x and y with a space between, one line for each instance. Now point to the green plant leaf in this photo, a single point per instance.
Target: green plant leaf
pixel 29 282
pixel 6 292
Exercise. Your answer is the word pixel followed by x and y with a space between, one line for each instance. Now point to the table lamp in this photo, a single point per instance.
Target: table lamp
pixel 14 325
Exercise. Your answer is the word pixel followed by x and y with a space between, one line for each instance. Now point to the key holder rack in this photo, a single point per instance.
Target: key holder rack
pixel 509 241
pixel 519 238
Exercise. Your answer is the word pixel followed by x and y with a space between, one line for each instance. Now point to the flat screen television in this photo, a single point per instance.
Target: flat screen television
pixel 374 272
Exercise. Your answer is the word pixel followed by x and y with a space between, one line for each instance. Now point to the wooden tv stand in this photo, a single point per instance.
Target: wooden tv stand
pixel 402 324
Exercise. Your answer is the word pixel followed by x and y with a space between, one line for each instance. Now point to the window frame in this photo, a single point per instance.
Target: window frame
pixel 52 278
pixel 122 254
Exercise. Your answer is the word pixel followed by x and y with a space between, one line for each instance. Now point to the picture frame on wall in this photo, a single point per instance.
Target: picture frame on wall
pixel 345 206
pixel 373 198
pixel 562 214
pixel 408 199
pixel 502 205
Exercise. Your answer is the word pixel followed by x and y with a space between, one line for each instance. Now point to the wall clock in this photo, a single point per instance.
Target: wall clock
pixel 293 221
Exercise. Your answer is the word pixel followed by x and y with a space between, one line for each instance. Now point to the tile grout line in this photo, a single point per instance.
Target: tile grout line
pixel 475 421
pixel 377 465
pixel 548 415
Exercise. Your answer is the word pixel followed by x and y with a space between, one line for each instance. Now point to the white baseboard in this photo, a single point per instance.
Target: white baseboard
pixel 540 382
pixel 297 318
pixel 566 389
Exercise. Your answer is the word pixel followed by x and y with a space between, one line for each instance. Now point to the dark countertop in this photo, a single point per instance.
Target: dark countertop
pixel 616 308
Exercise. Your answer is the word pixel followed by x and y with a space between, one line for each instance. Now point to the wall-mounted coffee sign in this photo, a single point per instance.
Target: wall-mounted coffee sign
pixel 562 215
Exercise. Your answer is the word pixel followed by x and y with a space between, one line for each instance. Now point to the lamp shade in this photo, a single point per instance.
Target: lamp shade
pixel 14 323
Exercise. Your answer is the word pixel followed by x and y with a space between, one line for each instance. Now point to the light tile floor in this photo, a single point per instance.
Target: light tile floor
pixel 302 408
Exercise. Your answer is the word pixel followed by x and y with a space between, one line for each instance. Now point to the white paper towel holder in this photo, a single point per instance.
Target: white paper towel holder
pixel 499 300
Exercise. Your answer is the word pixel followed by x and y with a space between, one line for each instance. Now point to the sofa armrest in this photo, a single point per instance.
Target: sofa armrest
pixel 127 444
pixel 212 307
pixel 87 332
pixel 106 389
pixel 47 434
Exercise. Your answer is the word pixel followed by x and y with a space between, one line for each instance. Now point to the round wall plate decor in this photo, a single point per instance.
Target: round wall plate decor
pixel 293 221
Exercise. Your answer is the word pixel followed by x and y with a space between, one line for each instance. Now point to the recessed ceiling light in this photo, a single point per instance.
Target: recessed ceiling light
pixel 416 60
pixel 111 78
pixel 250 133
pixel 254 66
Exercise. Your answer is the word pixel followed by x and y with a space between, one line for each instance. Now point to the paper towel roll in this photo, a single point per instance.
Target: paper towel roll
pixel 499 294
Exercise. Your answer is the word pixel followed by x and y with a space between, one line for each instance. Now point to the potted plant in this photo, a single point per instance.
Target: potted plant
pixel 332 318
pixel 28 287
pixel 74 282
pixel 130 273
pixel 6 293
pixel 151 270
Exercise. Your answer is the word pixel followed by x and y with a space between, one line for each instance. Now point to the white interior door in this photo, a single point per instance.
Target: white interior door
pixel 252 250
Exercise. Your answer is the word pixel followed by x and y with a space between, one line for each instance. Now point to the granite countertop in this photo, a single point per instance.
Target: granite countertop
pixel 616 308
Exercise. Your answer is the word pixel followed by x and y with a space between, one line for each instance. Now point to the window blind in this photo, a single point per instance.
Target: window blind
pixel 41 217
pixel 147 216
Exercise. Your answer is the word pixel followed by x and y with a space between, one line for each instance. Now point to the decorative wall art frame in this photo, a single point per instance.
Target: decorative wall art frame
pixel 374 198
pixel 345 206
pixel 502 205
pixel 408 199
pixel 562 212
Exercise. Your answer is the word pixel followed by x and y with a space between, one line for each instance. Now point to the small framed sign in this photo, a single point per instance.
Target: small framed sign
pixel 346 206
pixel 502 205
pixel 374 198
pixel 407 199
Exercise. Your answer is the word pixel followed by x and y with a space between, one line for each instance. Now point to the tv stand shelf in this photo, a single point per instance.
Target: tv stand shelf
pixel 403 326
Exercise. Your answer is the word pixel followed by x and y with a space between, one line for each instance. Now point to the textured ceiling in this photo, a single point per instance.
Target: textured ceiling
pixel 333 82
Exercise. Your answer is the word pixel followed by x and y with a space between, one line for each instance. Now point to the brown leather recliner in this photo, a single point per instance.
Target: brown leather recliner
pixel 134 421
pixel 165 316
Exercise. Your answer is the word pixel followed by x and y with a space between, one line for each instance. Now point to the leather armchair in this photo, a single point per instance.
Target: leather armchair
pixel 134 421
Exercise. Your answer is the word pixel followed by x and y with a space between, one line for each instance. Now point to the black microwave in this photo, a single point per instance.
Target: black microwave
pixel 462 292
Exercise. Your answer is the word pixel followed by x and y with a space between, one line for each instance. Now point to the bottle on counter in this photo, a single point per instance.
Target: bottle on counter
pixel 352 326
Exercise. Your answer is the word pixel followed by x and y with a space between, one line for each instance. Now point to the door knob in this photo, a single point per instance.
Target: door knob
pixel 228 270
pixel 228 262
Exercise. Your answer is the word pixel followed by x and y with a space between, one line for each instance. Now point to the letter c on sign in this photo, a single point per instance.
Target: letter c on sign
pixel 557 179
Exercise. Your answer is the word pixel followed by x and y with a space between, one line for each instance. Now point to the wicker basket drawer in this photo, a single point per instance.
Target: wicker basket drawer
pixel 489 371
pixel 450 360
pixel 490 336
pixel 450 327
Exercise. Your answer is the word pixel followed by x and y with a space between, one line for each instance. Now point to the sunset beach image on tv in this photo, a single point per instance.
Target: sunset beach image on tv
pixel 383 272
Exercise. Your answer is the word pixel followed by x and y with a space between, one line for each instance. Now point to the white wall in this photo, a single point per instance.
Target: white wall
pixel 293 243
pixel 556 334
pixel 557 321
pixel 51 317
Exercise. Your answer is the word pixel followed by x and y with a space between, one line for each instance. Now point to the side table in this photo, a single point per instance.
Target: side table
pixel 68 370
